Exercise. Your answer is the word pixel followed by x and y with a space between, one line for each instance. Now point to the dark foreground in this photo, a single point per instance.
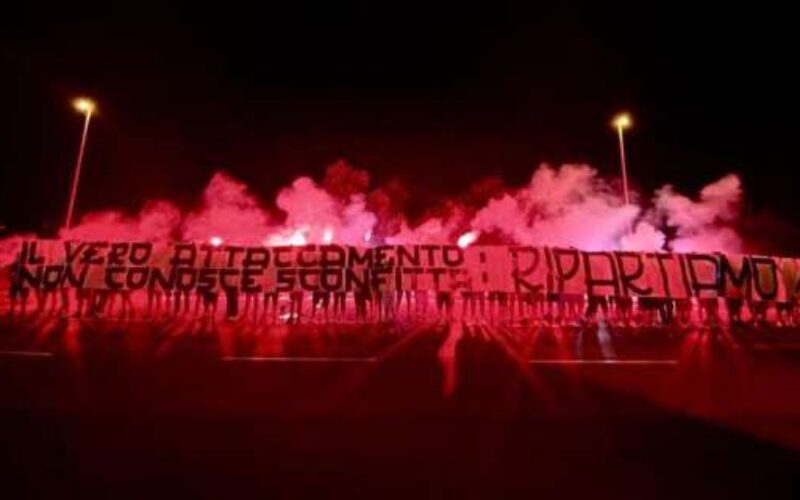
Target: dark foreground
pixel 188 409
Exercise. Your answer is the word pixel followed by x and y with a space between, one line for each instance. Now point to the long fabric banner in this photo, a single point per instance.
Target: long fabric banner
pixel 47 264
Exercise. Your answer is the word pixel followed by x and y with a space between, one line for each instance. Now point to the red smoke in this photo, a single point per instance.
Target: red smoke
pixel 567 206
pixel 229 211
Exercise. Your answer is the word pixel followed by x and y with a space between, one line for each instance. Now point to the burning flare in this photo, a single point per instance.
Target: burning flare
pixel 467 239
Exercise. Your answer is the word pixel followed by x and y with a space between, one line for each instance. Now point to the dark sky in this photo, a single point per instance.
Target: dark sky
pixel 438 96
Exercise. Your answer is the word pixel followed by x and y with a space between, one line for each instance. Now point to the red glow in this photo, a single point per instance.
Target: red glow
pixel 566 206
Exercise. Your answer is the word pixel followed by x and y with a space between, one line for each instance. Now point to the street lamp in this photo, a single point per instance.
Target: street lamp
pixel 621 122
pixel 87 107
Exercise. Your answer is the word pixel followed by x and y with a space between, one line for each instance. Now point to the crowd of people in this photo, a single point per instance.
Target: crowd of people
pixel 377 306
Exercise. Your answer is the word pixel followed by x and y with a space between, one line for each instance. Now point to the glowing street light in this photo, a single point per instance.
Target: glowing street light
pixel 87 107
pixel 84 105
pixel 621 122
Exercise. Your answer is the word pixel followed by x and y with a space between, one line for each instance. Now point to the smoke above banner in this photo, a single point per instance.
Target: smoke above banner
pixel 537 270
pixel 569 206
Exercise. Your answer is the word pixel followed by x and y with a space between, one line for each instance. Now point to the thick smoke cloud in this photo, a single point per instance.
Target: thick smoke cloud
pixel 567 206
pixel 570 206
pixel 229 211
pixel 157 221
pixel 314 215
pixel 707 223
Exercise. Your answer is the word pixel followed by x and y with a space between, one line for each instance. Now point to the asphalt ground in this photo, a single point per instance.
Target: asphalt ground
pixel 190 408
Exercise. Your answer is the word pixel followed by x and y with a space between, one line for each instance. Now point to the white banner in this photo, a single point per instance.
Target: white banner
pixel 47 264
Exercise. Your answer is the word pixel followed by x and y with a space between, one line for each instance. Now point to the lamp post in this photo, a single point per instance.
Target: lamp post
pixel 87 107
pixel 621 122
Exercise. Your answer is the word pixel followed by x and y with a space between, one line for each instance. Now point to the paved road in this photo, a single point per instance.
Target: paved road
pixel 105 409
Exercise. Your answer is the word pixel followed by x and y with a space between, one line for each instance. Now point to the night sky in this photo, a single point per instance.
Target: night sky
pixel 437 96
